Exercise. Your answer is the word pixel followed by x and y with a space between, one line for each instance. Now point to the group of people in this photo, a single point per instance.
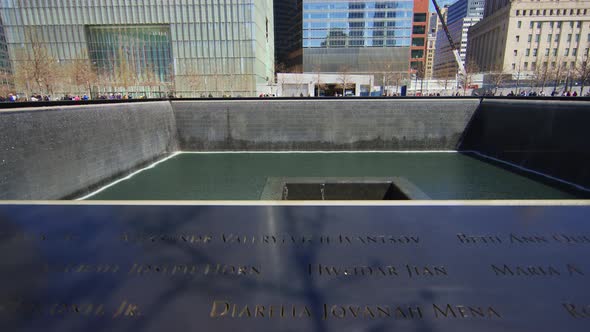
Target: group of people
pixel 38 97
pixel 542 94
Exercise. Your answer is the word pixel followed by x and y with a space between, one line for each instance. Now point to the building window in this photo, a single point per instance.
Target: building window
pixel 586 51
pixel 589 37
pixel 553 64
pixel 526 66
pixel 519 24
pixel 547 52
pixel 527 52
pixel 574 52
pixel 539 25
pixel 572 65
pixel 537 38
pixel 545 64
pixel 534 52
pixel 577 37
pixel 555 52
pixel 549 36
pixel 557 38
pixel 417 54
pixel 515 52
pixel 558 23
pixel 418 29
pixel 517 39
pixel 531 38
pixel 569 37
pixel 420 17
pixel 579 25
pixel 572 24
pixel 551 24
pixel 532 24
pixel 513 66
pixel 566 52
pixel 551 12
pixel 418 41
pixel 517 12
pixel 533 66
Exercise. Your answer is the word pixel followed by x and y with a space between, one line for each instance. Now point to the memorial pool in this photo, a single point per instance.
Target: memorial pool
pixel 242 176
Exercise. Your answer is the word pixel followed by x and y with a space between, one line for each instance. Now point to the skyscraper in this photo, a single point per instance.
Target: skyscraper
pixel 419 33
pixel 460 16
pixel 288 32
pixel 191 47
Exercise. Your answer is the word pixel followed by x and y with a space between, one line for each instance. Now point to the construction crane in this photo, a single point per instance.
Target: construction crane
pixel 454 47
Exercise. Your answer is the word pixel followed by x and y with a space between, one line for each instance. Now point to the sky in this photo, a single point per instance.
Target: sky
pixel 441 3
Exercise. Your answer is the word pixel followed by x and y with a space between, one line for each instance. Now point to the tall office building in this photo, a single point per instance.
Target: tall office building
pixel 288 35
pixel 461 15
pixel 434 25
pixel 430 44
pixel 198 47
pixel 532 38
pixel 356 36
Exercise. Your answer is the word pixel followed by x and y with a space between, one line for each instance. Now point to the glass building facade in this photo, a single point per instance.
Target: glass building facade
pixel 198 47
pixel 288 30
pixel 5 67
pixel 143 50
pixel 362 36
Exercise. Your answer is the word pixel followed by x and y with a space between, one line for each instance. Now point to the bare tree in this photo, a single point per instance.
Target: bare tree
pixel 126 74
pixel 419 74
pixel 151 79
pixel 302 87
pixel 36 68
pixel 446 75
pixel 344 79
pixel 470 71
pixel 280 68
pixel 557 72
pixel 319 84
pixel 541 73
pixel 81 74
pixel 582 72
pixel 193 78
pixel 6 83
pixel 497 76
pixel 170 82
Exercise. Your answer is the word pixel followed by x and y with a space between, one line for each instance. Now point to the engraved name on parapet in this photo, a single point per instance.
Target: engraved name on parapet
pixel 392 271
pixel 522 239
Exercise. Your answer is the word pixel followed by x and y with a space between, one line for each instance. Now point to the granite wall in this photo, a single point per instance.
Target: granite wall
pixel 67 151
pixel 547 136
pixel 308 125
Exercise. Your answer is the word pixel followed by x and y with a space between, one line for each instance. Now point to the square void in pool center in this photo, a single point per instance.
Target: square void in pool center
pixel 243 176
